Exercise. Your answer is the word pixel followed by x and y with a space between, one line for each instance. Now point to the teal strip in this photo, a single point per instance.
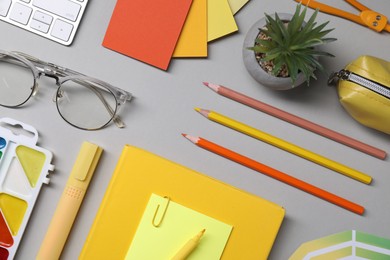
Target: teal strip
pixel 373 240
pixel 368 254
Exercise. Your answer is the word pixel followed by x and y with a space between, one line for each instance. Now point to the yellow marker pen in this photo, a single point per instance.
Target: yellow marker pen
pixel 70 202
pixel 188 247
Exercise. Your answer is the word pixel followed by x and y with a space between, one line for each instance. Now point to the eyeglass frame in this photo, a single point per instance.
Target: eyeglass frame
pixel 61 75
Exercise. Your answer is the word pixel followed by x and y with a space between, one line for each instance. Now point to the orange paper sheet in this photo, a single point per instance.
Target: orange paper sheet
pixel 193 38
pixel 147 30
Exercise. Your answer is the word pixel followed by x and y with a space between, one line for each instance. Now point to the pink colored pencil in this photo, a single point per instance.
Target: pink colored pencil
pixel 298 121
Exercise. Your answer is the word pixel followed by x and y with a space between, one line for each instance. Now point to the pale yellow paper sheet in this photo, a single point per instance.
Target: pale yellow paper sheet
pixel 220 19
pixel 178 226
pixel 193 38
pixel 236 5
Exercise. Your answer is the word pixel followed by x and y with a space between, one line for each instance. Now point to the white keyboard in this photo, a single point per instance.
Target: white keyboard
pixel 57 20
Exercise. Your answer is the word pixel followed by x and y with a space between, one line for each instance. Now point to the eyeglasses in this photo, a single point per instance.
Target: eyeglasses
pixel 84 102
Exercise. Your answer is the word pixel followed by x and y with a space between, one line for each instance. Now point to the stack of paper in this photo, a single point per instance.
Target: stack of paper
pixel 155 31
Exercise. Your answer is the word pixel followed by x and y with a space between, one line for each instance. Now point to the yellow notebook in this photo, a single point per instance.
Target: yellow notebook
pixel 140 173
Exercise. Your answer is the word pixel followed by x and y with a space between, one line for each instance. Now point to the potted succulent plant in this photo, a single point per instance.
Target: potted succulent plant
pixel 281 51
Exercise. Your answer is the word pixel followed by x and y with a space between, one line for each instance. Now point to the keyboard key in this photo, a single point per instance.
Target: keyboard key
pixel 61 30
pixel 64 8
pixel 4 7
pixel 39 16
pixel 42 17
pixel 40 26
pixel 20 13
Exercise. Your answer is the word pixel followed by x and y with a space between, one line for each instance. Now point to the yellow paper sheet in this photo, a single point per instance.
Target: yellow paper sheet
pixel 178 226
pixel 236 5
pixel 193 37
pixel 220 19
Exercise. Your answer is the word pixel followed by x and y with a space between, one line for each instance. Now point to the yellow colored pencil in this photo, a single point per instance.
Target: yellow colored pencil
pixel 292 148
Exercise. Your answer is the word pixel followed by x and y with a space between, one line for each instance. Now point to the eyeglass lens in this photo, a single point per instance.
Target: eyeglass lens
pixel 16 82
pixel 85 104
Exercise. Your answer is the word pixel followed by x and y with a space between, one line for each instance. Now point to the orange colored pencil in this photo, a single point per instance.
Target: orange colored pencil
pixel 278 175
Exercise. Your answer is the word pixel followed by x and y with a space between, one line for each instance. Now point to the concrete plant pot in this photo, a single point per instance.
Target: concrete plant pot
pixel 253 67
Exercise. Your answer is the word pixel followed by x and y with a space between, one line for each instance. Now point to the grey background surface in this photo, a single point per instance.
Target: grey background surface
pixel 164 108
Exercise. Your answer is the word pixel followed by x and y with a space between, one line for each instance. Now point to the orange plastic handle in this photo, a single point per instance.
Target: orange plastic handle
pixel 358 5
pixel 374 20
pixel 367 17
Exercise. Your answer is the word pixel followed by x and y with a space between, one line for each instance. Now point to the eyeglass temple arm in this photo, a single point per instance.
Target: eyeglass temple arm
pixel 60 71
pixel 13 60
pixel 63 72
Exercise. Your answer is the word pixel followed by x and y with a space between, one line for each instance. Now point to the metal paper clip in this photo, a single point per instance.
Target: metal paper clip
pixel 163 214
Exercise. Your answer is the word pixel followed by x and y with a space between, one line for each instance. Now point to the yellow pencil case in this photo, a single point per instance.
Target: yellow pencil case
pixel 364 91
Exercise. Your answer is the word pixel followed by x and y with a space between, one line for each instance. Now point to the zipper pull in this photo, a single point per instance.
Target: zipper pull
pixel 336 76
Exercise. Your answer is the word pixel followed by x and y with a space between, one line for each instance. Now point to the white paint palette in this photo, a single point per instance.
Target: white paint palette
pixel 24 167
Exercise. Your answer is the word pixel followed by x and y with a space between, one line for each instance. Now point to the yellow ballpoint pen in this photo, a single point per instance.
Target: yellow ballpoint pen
pixel 70 202
pixel 292 148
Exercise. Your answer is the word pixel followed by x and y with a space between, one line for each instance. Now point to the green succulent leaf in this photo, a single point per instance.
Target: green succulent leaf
pixel 294 45
pixel 277 68
pixel 266 43
pixel 296 24
pixel 270 57
pixel 259 49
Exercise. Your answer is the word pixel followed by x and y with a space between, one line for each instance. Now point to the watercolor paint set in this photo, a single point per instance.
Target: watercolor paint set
pixel 24 168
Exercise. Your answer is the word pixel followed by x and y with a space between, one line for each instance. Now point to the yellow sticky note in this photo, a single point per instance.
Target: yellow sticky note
pixel 236 5
pixel 220 19
pixel 178 225
pixel 193 37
